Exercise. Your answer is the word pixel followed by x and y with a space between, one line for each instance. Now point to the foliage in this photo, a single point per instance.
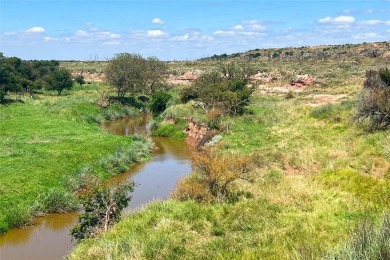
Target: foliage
pixel 159 102
pixel 79 79
pixel 214 92
pixel 21 76
pixel 102 208
pixel 384 74
pixel 59 80
pixel 125 156
pixel 236 71
pixel 374 102
pixel 39 167
pixel 58 200
pixel 369 242
pixel 131 73
pixel 214 177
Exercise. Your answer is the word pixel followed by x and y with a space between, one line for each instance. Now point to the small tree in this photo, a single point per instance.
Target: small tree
pixel 102 208
pixel 79 79
pixel 159 102
pixel 374 101
pixel 214 177
pixel 59 80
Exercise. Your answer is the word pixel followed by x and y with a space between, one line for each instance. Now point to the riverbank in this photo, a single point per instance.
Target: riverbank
pixel 318 176
pixel 48 145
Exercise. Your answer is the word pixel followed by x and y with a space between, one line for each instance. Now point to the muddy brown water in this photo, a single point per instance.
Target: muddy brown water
pixel 49 237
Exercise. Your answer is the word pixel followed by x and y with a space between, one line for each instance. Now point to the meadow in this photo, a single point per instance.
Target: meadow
pixel 320 187
pixel 50 146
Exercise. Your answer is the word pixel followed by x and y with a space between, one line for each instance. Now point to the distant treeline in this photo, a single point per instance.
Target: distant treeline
pixel 20 76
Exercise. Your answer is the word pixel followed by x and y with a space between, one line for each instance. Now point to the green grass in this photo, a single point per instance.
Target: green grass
pixel 43 142
pixel 319 176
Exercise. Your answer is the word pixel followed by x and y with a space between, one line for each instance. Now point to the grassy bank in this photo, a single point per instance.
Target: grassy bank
pixel 318 177
pixel 49 144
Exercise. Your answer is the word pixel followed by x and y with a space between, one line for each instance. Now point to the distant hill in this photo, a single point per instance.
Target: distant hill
pixel 322 52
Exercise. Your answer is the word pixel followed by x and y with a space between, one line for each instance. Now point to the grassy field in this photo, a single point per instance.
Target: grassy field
pixel 45 143
pixel 318 177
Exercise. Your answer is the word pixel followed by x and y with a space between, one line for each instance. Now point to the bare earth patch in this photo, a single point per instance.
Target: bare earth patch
pixel 323 99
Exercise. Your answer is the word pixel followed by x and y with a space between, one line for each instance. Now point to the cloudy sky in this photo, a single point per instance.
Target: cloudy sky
pixel 182 30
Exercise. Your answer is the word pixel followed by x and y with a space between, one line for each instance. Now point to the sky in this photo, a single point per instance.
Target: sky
pixel 182 30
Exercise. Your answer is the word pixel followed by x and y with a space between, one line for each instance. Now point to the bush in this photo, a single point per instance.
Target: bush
pixel 102 208
pixel 59 200
pixel 214 177
pixel 159 102
pixel 374 101
pixel 80 79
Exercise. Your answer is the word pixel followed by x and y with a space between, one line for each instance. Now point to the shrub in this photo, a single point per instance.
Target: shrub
pixel 59 200
pixel 102 208
pixel 80 79
pixel 159 102
pixel 374 101
pixel 214 176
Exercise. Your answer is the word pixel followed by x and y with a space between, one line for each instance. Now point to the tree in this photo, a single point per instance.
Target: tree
pixel 374 101
pixel 102 208
pixel 159 102
pixel 79 79
pixel 131 73
pixel 156 72
pixel 213 91
pixel 126 73
pixel 59 80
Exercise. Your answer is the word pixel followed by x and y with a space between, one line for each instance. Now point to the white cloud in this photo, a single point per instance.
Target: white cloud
pixel 368 35
pixel 251 25
pixel 185 37
pixel 48 39
pixel 36 29
pixel 97 34
pixel 155 33
pixel 237 27
pixel 257 27
pixel 342 19
pixel 224 33
pixel 112 43
pixel 157 21
pixel 371 22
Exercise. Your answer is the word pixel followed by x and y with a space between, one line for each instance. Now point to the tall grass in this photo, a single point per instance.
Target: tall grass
pixel 368 242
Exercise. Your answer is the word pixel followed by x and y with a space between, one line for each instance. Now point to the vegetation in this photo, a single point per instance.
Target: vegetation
pixel 290 178
pixel 314 175
pixel 374 103
pixel 214 177
pixel 21 77
pixel 131 73
pixel 51 146
pixel 59 80
pixel 102 208
pixel 225 91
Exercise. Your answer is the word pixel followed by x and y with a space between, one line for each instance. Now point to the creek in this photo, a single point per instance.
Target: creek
pixel 49 237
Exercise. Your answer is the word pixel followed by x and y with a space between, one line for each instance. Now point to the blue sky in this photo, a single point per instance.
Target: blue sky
pixel 182 30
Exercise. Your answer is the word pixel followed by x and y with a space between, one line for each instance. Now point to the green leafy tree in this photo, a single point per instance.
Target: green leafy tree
pixel 156 72
pixel 102 208
pixel 126 73
pixel 131 73
pixel 214 91
pixel 159 102
pixel 79 79
pixel 59 80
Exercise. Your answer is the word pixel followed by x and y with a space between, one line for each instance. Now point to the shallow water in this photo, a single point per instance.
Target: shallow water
pixel 49 237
